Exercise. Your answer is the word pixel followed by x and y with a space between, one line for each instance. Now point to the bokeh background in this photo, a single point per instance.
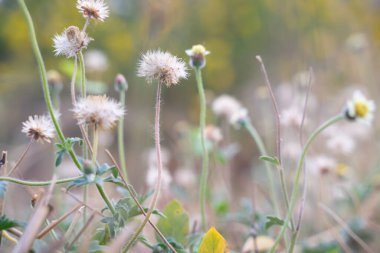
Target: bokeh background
pixel 340 40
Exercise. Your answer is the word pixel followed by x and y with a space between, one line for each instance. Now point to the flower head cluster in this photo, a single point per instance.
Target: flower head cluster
pixel 96 9
pixel 197 56
pixel 99 111
pixel 39 128
pixel 163 67
pixel 228 107
pixel 213 134
pixel 70 42
pixel 360 108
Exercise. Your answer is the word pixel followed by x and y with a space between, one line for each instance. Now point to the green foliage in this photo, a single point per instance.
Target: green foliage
pixel 7 223
pixel 332 247
pixel 270 159
pixel 163 248
pixel 126 209
pixel 63 148
pixel 175 224
pixel 272 221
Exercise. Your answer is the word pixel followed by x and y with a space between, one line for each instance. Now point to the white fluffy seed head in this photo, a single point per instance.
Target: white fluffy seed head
pixel 70 42
pixel 96 9
pixel 98 110
pixel 163 67
pixel 39 128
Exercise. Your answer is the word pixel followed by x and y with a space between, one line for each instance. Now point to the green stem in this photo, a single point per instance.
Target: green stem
pixel 260 144
pixel 120 139
pixel 85 128
pixel 159 172
pixel 41 66
pixel 294 195
pixel 38 183
pixel 106 199
pixel 205 162
pixel 45 85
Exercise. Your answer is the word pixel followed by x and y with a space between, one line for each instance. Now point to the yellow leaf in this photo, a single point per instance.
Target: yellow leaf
pixel 213 242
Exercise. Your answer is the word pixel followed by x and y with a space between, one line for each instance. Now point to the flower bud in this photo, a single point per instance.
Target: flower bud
pixel 197 56
pixel 121 83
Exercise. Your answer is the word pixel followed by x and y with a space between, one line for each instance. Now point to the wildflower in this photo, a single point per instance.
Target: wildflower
pixel 341 170
pixel 96 9
pixel 292 117
pixel 360 108
pixel 95 61
pixel 99 111
pixel 197 56
pixel 121 83
pixel 225 106
pixel 213 134
pixel 70 42
pixel 341 143
pixel 39 128
pixel 163 67
pixel 322 165
pixel 228 107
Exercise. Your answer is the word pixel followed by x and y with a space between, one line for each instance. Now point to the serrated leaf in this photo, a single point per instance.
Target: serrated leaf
pixel 272 221
pixel 6 223
pixel 213 242
pixel 270 159
pixel 176 223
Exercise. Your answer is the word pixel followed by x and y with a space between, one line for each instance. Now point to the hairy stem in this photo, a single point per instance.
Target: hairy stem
pixel 159 172
pixel 21 158
pixel 295 191
pixel 205 161
pixel 38 183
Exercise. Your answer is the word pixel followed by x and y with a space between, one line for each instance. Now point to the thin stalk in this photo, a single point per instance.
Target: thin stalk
pixel 260 144
pixel 21 158
pixel 41 66
pixel 205 162
pixel 45 85
pixel 294 195
pixel 37 183
pixel 134 197
pixel 106 199
pixel 120 138
pixel 159 172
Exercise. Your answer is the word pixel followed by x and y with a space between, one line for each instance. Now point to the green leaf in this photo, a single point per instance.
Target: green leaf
pixel 270 159
pixel 213 242
pixel 6 223
pixel 163 248
pixel 272 221
pixel 59 157
pixel 176 223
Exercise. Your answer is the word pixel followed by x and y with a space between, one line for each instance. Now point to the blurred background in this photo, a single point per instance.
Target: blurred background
pixel 340 40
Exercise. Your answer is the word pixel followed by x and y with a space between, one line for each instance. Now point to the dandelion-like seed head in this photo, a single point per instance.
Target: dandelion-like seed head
pixel 96 9
pixel 197 56
pixel 360 108
pixel 100 111
pixel 231 109
pixel 163 67
pixel 39 128
pixel 70 42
